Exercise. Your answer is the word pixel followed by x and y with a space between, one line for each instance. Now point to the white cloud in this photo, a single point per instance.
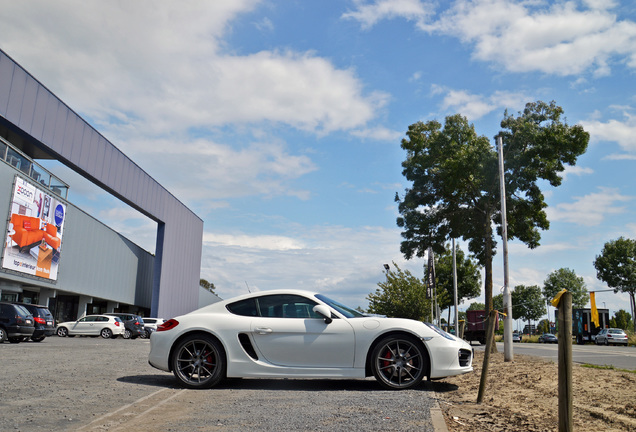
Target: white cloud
pixel 370 14
pixel 566 38
pixel 475 106
pixel 345 263
pixel 591 209
pixel 621 132
pixel 164 68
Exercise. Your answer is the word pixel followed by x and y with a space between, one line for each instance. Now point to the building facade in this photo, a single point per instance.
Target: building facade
pixel 56 254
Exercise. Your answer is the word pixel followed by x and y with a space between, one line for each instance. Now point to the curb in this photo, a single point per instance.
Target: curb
pixel 437 417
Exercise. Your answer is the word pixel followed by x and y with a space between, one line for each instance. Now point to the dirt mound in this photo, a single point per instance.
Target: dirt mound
pixel 522 396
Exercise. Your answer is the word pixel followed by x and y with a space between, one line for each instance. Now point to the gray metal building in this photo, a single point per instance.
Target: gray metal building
pixel 96 266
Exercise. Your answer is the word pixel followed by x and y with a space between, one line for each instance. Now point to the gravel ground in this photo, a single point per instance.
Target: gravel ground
pixel 92 384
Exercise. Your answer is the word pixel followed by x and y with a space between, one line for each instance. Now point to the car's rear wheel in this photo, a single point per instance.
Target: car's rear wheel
pixel 399 362
pixel 106 333
pixel 62 331
pixel 199 361
pixel 38 339
pixel 127 334
pixel 606 343
pixel 3 335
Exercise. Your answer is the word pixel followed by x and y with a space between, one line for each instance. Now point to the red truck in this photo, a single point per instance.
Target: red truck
pixel 476 325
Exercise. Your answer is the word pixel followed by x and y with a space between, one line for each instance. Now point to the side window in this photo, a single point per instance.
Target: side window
pixel 286 306
pixel 243 307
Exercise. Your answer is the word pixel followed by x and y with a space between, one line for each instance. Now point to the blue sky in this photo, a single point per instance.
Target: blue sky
pixel 279 123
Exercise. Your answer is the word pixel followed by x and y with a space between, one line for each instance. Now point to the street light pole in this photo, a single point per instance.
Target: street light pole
pixel 507 300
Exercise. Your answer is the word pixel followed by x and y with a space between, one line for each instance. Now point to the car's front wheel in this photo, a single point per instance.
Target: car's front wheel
pixel 399 362
pixel 127 334
pixel 3 335
pixel 62 331
pixel 199 361
pixel 106 333
pixel 38 339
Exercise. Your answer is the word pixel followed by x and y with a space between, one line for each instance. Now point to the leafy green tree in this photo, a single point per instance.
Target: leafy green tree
pixel 402 295
pixel 468 278
pixel 621 320
pixel 207 285
pixel 616 266
pixel 497 303
pixel 476 306
pixel 455 181
pixel 566 278
pixel 528 303
pixel 543 326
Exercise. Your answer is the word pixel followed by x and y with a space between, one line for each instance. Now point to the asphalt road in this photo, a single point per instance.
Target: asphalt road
pixel 617 356
pixel 95 384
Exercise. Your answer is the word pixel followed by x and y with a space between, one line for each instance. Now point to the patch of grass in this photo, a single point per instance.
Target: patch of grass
pixel 608 367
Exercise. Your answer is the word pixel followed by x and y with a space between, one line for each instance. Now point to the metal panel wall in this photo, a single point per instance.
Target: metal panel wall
pixel 64 133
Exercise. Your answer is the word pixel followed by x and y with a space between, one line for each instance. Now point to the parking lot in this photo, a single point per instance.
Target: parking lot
pixel 95 384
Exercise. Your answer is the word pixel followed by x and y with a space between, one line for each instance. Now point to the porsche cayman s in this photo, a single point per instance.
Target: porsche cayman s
pixel 299 334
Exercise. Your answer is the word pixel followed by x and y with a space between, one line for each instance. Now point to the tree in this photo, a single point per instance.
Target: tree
pixel 543 326
pixel 616 266
pixel 566 278
pixel 402 295
pixel 476 306
pixel 621 320
pixel 528 303
pixel 455 181
pixel 468 278
pixel 207 285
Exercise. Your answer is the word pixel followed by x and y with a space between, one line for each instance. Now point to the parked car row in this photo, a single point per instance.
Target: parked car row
pixel 21 321
pixel 107 325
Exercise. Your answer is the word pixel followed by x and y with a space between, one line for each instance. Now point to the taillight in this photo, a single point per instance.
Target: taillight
pixel 39 320
pixel 117 323
pixel 168 325
pixel 19 319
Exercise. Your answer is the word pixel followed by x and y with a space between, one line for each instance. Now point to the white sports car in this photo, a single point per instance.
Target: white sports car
pixel 298 334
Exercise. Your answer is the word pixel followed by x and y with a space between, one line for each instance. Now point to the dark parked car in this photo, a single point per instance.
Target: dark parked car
pixel 42 319
pixel 16 323
pixel 134 324
pixel 548 338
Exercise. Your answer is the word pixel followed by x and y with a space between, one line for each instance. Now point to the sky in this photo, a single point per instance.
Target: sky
pixel 279 123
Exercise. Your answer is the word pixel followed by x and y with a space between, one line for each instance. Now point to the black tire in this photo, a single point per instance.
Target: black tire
pixel 606 343
pixel 62 331
pixel 199 361
pixel 15 340
pixel 127 334
pixel 38 339
pixel 3 335
pixel 106 333
pixel 399 362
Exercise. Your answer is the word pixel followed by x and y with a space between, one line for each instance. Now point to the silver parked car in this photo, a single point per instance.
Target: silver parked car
pixel 611 336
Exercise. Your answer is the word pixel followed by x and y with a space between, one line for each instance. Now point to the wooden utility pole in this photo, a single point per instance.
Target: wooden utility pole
pixel 565 363
pixel 490 336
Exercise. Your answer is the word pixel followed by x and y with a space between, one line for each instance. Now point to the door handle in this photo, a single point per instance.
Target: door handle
pixel 263 330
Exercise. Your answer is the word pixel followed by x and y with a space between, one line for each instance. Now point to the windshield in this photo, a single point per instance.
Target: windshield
pixel 345 310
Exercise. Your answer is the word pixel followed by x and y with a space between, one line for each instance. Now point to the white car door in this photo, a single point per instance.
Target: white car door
pixel 305 342
pixel 82 326
pixel 295 336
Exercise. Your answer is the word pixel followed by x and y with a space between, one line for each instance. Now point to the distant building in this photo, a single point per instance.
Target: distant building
pixel 56 254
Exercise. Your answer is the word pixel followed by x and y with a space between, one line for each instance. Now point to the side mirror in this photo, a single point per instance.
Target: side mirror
pixel 324 311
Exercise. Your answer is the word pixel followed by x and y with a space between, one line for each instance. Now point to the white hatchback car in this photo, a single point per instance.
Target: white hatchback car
pixel 92 325
pixel 300 334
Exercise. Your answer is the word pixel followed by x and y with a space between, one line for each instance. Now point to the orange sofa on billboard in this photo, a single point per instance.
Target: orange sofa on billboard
pixel 27 232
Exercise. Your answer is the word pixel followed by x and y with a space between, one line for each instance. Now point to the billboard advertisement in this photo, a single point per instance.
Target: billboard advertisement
pixel 34 232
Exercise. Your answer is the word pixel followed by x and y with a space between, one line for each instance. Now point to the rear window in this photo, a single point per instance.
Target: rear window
pixel 616 331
